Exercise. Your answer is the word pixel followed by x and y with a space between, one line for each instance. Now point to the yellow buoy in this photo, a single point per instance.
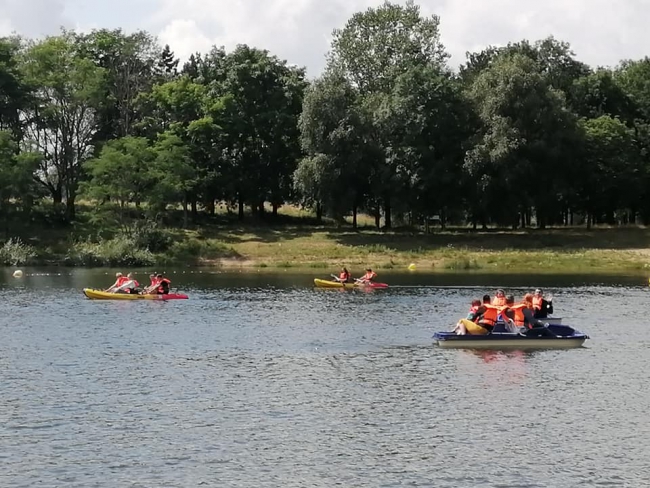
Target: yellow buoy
pixel 412 267
pixel 18 274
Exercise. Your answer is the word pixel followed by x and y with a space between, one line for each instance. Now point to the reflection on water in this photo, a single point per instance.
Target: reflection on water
pixel 260 380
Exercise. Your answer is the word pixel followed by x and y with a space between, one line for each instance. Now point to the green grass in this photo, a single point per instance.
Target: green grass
pixel 294 241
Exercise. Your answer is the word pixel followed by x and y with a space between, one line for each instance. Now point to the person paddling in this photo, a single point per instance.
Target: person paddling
pixel 130 285
pixel 343 277
pixel 119 281
pixel 163 285
pixel 368 277
pixel 152 285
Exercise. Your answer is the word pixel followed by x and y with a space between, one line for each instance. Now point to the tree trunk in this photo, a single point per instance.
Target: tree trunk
pixel 185 213
pixel 240 203
pixel 70 208
pixel 377 217
pixel 275 209
pixel 354 216
pixel 387 213
pixel 319 213
pixel 210 207
pixel 57 196
pixel 195 212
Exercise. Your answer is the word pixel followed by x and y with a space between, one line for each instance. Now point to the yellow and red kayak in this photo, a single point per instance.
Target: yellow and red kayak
pixel 348 286
pixel 103 295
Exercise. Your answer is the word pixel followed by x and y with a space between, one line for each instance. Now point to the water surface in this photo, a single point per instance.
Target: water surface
pixel 261 380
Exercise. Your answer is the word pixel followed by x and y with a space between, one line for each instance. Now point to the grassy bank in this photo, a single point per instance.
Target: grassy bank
pixel 298 243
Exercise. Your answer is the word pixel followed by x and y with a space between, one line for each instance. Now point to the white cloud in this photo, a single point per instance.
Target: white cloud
pixel 33 18
pixel 601 31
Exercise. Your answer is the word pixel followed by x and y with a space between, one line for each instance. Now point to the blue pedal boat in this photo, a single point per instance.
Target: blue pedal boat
pixel 500 339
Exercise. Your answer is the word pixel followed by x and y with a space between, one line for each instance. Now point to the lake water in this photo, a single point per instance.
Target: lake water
pixel 260 380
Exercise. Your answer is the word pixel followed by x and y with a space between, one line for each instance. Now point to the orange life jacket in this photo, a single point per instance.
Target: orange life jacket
pixel 121 280
pixel 537 303
pixel 344 276
pixel 519 313
pixel 370 276
pixel 490 316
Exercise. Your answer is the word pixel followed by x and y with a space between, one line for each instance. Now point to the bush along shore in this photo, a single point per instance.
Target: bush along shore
pixel 564 250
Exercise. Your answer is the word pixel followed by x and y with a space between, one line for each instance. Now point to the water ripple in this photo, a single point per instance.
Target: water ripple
pixel 287 386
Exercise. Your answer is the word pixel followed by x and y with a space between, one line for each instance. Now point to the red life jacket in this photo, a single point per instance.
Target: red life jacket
pixel 161 289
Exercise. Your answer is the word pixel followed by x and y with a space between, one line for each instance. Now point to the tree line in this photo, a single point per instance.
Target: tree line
pixel 520 135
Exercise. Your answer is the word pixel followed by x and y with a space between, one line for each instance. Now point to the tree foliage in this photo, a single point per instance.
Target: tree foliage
pixel 523 134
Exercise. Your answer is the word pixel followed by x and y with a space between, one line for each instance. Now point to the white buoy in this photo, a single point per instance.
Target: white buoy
pixel 18 274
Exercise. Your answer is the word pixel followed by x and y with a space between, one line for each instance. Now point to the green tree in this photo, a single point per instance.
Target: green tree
pixel 373 49
pixel 132 64
pixel 613 172
pixel 427 121
pixel 175 174
pixel 16 171
pixel 263 99
pixel 381 43
pixel 14 94
pixel 62 117
pixel 332 176
pixel 122 173
pixel 599 94
pixel 526 141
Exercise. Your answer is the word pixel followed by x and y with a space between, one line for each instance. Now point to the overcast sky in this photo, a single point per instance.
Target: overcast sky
pixel 601 32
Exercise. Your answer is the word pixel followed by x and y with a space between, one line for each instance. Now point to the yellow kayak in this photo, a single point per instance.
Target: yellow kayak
pixel 103 295
pixel 348 286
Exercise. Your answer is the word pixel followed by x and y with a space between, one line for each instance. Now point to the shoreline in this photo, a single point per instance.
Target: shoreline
pixel 323 249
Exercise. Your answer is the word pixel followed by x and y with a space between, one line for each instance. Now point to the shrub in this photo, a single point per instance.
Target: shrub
pixel 15 252
pixel 119 251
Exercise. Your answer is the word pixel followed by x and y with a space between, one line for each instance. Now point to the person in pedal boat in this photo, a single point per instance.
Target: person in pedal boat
pixel 368 277
pixel 524 314
pixel 500 298
pixel 344 276
pixel 542 308
pixel 482 322
pixel 119 281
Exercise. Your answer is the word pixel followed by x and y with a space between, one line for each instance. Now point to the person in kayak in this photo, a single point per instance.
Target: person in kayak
pixel 542 308
pixel 368 277
pixel 344 276
pixel 130 285
pixel 152 285
pixel 119 281
pixel 163 285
